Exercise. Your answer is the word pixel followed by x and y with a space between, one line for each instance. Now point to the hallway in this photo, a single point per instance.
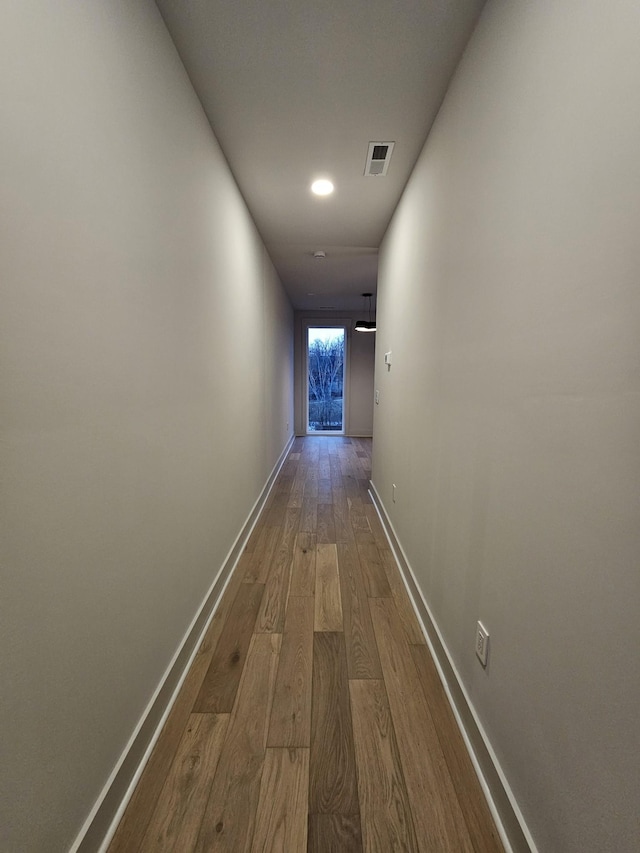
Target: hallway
pixel 313 716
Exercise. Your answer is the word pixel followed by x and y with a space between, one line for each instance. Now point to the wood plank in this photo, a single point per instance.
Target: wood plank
pixel 284 482
pixel 325 493
pixel 333 788
pixel 271 615
pixel 256 533
pixel 311 450
pixel 332 833
pixel 334 465
pixel 337 486
pixel 311 487
pixel 229 819
pixel 140 809
pixel 274 601
pixel 297 492
pixel 220 684
pixel 290 527
pixel 325 525
pixel 263 554
pixel 410 625
pixel 289 467
pixel 178 814
pixel 373 573
pixel 245 566
pixel 375 526
pixel 290 723
pixel 336 478
pixel 281 822
pixel 328 605
pixel 384 804
pixel 362 651
pixel 349 482
pixel 438 819
pixel 219 620
pixel 357 517
pixel 303 569
pixel 308 519
pixel 342 517
pixel 476 811
pixel 276 508
pixel 364 491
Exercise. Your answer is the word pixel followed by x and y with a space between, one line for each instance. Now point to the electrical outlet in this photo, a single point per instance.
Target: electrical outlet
pixel 377 396
pixel 482 644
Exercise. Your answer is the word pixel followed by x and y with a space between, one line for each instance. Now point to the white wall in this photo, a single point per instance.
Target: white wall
pixel 359 375
pixel 510 419
pixel 146 373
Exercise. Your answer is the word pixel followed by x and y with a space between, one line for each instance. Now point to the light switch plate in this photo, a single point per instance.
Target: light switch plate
pixel 482 644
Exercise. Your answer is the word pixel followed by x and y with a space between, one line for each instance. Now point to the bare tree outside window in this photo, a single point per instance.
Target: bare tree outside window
pixel 326 379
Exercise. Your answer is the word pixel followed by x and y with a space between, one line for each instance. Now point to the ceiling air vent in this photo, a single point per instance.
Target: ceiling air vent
pixel 378 157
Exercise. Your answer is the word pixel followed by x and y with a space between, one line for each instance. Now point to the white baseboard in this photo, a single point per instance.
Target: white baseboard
pixel 102 822
pixel 510 822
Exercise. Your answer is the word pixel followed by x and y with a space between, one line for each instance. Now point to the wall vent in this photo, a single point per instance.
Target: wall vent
pixel 378 157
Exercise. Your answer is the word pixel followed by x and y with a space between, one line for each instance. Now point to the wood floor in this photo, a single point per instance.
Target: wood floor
pixel 313 717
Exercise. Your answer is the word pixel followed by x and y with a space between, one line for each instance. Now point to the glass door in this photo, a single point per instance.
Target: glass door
pixel 325 379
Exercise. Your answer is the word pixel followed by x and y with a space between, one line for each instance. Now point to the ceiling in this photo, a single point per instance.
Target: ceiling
pixel 295 90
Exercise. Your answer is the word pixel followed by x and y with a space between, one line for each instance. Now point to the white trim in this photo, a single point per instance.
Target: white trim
pixel 403 564
pixel 242 536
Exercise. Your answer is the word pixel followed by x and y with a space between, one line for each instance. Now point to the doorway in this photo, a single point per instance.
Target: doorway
pixel 326 357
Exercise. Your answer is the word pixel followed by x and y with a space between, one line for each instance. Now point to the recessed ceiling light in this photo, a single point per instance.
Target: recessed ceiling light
pixel 322 187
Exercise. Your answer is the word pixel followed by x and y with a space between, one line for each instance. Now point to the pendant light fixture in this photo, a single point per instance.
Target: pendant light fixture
pixel 366 325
